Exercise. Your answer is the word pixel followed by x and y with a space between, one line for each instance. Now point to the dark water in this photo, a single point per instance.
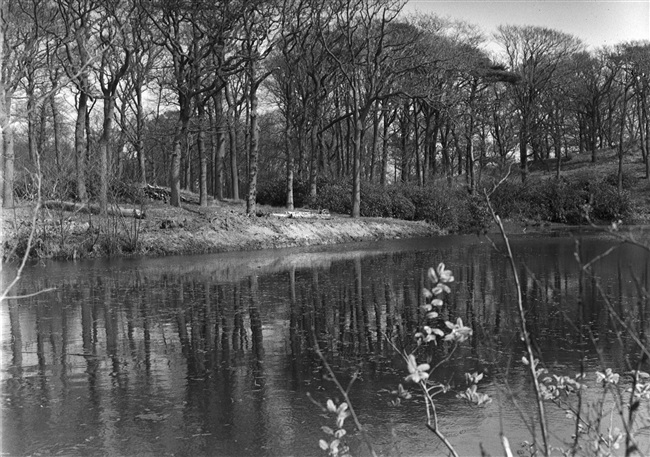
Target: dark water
pixel 213 355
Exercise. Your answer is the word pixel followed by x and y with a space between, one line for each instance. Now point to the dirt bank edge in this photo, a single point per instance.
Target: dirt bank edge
pixel 229 235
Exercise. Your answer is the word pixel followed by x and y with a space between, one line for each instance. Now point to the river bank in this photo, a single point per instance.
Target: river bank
pixel 190 229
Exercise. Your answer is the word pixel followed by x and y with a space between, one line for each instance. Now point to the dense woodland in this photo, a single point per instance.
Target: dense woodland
pixel 224 97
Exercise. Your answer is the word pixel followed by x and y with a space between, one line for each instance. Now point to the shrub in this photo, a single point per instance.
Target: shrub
pixel 475 216
pixel 565 202
pixel 273 192
pixel 610 205
pixel 433 204
pixel 401 207
pixel 612 180
pixel 375 201
pixel 335 196
pixel 509 198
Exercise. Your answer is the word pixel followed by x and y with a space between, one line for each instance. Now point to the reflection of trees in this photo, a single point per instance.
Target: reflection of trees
pixel 16 337
pixel 349 306
pixel 221 350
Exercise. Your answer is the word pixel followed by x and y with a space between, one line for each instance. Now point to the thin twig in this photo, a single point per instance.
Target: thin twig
pixel 430 405
pixel 343 392
pixel 501 181
pixel 524 329
pixel 30 240
pixel 18 297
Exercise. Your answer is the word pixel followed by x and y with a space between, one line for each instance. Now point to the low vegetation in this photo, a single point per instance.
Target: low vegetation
pixel 585 193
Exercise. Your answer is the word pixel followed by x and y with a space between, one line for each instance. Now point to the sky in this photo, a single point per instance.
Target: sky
pixel 596 22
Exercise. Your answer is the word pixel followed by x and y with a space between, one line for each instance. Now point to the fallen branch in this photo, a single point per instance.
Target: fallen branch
pixel 164 194
pixel 302 215
pixel 93 208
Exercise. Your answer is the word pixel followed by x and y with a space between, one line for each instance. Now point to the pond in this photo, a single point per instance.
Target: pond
pixel 214 354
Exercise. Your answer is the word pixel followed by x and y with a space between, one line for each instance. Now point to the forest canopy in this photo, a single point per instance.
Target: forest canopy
pixel 227 98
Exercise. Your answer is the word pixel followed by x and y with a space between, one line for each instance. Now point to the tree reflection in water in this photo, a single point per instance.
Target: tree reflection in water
pixel 213 355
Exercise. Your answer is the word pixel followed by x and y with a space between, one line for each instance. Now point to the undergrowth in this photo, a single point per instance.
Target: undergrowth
pixel 580 199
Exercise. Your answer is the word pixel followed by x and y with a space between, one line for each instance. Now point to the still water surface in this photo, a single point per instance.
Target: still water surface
pixel 213 354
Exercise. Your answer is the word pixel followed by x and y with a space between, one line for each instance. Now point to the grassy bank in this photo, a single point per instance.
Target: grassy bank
pixel 221 227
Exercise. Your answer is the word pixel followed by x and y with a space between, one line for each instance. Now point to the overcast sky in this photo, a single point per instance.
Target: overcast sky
pixel 596 22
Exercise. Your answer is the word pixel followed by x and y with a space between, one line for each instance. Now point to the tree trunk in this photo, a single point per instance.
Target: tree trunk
pixel 416 147
pixel 186 160
pixel 221 144
pixel 289 158
pixel 80 145
pixel 212 157
pixel 557 145
pixel 356 168
pixel 469 165
pixel 593 134
pixel 404 130
pixel 384 148
pixel 642 132
pixel 139 136
pixel 523 150
pixel 433 145
pixel 104 145
pixel 375 141
pixel 234 173
pixel 621 140
pixel 82 125
pixel 9 158
pixel 56 128
pixel 426 111
pixel 251 203
pixel 41 136
pixel 313 158
pixel 247 137
pixel 175 166
pixel 315 141
pixel 203 159
pixel 31 114
pixel 90 208
pixel 446 160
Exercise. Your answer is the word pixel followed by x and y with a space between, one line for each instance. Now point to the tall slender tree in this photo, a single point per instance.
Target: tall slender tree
pixel 113 66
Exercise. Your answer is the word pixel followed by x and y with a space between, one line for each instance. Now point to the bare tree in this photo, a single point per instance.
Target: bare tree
pixel 115 60
pixel 79 17
pixel 257 42
pixel 19 49
pixel 145 56
pixel 534 53
pixel 365 47
pixel 592 81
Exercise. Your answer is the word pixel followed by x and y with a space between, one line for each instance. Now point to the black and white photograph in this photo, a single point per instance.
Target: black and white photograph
pixel 328 228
